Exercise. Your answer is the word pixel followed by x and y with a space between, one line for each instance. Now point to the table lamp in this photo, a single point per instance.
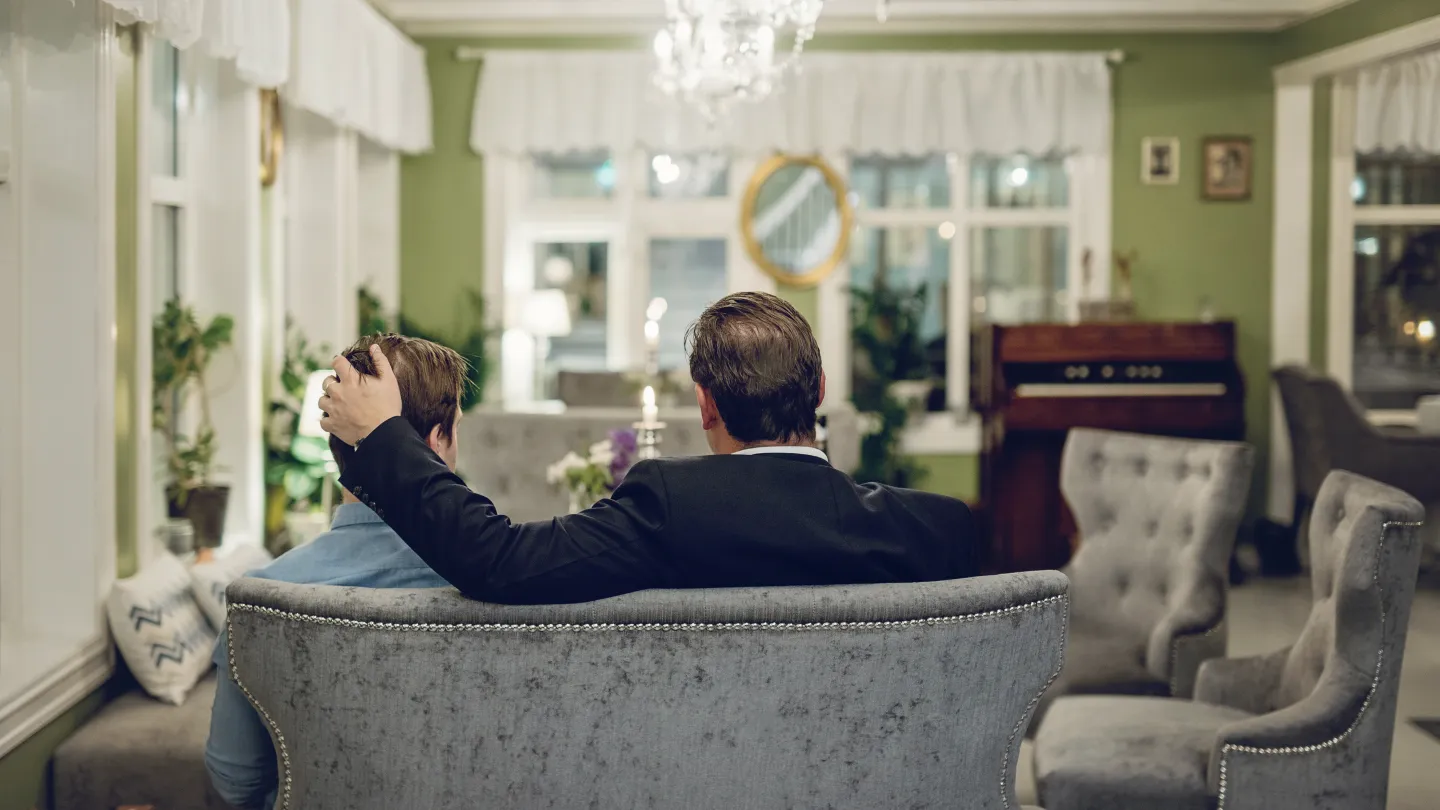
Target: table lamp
pixel 546 315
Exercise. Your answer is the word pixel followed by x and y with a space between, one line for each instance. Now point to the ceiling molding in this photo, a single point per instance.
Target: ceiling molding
pixel 589 17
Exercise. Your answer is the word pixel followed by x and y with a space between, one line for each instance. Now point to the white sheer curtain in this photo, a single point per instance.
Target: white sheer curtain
pixel 353 67
pixel 853 103
pixel 1398 106
pixel 255 33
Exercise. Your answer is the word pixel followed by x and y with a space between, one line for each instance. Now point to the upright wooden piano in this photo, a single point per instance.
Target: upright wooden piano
pixel 1034 383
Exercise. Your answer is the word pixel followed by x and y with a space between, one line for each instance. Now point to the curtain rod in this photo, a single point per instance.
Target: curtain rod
pixel 466 53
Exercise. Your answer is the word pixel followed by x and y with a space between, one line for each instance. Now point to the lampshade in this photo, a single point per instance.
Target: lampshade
pixel 310 407
pixel 546 314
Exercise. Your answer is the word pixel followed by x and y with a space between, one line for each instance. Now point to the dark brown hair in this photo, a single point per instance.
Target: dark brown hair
pixel 757 357
pixel 431 377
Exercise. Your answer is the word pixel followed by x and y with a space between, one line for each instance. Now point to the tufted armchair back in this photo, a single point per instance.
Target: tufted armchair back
pixel 1305 425
pixel 912 695
pixel 1325 708
pixel 1157 520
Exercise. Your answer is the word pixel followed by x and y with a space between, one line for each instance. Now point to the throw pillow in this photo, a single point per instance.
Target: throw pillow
pixel 212 578
pixel 160 630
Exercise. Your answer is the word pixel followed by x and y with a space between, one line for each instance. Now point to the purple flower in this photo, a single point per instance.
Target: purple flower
pixel 623 443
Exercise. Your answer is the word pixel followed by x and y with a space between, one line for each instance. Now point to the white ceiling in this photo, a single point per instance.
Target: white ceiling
pixel 499 17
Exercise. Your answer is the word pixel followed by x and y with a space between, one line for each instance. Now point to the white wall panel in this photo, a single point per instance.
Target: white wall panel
pixel 320 165
pixel 378 236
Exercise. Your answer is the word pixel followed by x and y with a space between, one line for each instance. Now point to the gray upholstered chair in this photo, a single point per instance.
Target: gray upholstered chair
pixel 1309 461
pixel 869 696
pixel 1308 727
pixel 1157 520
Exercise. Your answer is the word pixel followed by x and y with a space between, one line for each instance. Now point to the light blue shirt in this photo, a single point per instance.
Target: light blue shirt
pixel 359 550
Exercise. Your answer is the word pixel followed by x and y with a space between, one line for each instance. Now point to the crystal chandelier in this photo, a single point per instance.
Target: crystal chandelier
pixel 714 53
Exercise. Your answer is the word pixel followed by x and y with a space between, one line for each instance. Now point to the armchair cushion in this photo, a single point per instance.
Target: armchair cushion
pixel 1136 753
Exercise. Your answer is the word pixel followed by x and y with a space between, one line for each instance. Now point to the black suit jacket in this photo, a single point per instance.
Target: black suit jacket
pixel 701 522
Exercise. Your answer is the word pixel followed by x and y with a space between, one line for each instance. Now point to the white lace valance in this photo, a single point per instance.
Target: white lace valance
pixel 1397 106
pixel 353 67
pixel 255 33
pixel 853 103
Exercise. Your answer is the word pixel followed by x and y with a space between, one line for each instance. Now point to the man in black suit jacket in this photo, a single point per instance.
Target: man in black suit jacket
pixel 766 509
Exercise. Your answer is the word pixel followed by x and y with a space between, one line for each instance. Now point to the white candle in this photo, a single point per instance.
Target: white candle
pixel 652 333
pixel 649 413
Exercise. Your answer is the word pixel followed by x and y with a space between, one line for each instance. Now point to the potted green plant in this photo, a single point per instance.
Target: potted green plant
pixel 295 465
pixel 891 376
pixel 183 349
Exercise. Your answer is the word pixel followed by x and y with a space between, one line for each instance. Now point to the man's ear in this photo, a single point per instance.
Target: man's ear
pixel 709 414
pixel 435 441
pixel 822 387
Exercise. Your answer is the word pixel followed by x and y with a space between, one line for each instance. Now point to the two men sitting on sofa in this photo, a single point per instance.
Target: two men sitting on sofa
pixel 766 510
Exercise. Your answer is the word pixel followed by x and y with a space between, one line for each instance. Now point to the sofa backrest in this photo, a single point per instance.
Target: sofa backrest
pixel 903 695
pixel 1157 519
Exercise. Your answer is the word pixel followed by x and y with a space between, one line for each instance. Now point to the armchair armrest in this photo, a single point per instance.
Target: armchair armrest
pixel 1313 726
pixel 1186 636
pixel 1241 683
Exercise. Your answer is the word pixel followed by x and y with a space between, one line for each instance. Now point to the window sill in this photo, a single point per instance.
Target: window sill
pixel 942 434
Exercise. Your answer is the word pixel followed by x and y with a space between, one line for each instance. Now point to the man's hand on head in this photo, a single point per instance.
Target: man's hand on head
pixel 354 404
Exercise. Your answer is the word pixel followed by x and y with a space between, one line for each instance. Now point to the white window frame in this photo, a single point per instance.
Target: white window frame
pixel 1345 216
pixel 627 220
pixel 1087 217
pixel 158 189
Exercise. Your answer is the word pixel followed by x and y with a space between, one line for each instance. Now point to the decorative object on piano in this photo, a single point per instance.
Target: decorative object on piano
pixel 892 377
pixel 796 219
pixel 1229 168
pixel 592 477
pixel 1121 306
pixel 1038 381
pixel 1160 161
pixel 183 349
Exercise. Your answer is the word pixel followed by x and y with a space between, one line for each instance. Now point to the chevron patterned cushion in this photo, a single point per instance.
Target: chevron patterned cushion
pixel 212 578
pixel 160 630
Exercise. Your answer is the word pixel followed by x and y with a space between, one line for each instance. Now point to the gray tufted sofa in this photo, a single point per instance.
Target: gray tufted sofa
pixel 869 696
pixel 1157 520
pixel 1306 727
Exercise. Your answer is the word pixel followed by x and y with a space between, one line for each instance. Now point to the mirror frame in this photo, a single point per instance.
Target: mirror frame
pixel 272 136
pixel 765 171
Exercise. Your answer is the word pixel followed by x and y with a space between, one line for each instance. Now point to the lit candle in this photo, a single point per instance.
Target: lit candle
pixel 649 413
pixel 652 334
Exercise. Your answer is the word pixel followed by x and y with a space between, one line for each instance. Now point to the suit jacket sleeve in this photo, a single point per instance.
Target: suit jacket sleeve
pixel 609 549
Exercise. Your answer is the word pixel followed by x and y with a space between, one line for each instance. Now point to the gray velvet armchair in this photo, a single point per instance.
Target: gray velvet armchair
pixel 866 696
pixel 1157 520
pixel 1308 727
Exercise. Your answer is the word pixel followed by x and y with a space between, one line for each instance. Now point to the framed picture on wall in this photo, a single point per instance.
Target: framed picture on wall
pixel 1229 168
pixel 1160 161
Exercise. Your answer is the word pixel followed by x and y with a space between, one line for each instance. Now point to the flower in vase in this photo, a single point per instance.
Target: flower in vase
pixel 602 454
pixel 625 447
pixel 558 473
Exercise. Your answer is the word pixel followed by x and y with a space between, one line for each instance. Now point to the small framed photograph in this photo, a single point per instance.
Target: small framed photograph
pixel 1160 161
pixel 1229 168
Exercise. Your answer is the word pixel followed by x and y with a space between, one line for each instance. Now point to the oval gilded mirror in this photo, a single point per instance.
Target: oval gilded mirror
pixel 796 219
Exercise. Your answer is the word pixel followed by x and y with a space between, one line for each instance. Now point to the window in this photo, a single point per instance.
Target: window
pixel 954 244
pixel 167 240
pixel 1395 358
pixel 589 239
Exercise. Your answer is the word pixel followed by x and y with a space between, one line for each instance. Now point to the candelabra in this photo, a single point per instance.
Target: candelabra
pixel 647 430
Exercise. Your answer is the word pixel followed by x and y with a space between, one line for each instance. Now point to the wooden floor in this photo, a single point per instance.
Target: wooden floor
pixel 1269 614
